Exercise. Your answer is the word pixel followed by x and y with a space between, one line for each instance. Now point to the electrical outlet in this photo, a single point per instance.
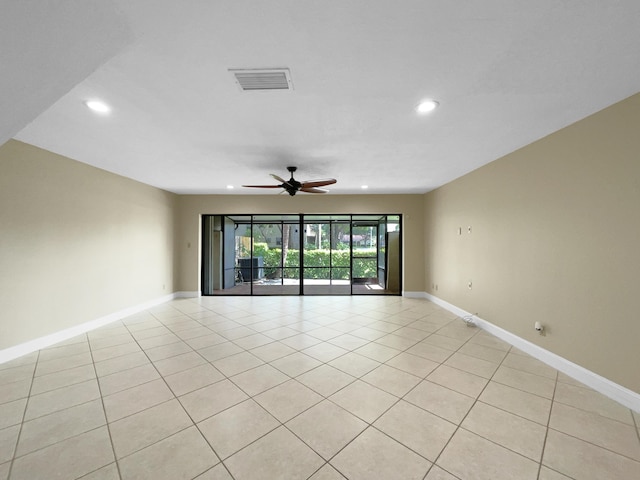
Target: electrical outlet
pixel 470 285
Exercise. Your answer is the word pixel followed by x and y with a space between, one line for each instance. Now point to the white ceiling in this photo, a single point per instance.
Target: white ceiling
pixel 506 72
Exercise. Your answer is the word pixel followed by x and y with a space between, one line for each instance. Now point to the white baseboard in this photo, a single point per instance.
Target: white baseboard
pixel 414 294
pixel 39 343
pixel 195 294
pixel 620 394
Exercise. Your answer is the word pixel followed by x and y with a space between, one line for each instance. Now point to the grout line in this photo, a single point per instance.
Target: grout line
pixel 24 413
pixel 104 412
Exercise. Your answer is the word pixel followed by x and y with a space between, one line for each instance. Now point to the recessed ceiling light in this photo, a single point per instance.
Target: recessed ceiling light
pixel 426 106
pixel 364 187
pixel 230 187
pixel 98 106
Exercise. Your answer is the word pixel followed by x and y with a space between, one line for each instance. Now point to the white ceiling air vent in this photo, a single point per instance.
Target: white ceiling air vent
pixel 256 79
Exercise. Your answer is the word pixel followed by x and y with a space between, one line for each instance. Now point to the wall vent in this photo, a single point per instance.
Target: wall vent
pixel 256 79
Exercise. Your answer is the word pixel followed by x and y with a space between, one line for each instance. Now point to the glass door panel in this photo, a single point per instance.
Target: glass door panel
pixel 275 259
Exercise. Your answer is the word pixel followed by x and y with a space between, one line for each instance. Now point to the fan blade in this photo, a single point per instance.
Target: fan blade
pixel 313 190
pixel 263 186
pixel 280 179
pixel 318 183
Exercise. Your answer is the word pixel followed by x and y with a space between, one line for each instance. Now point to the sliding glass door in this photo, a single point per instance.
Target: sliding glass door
pixel 301 254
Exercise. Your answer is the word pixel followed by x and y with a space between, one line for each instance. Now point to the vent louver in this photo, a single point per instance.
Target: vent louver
pixel 263 79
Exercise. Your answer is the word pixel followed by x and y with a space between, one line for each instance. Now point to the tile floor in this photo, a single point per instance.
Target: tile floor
pixel 317 388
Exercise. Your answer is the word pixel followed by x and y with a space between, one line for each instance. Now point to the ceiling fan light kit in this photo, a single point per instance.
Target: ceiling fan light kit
pixel 292 186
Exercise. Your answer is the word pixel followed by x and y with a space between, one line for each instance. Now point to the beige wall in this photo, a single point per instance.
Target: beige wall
pixel 555 238
pixel 190 209
pixel 76 243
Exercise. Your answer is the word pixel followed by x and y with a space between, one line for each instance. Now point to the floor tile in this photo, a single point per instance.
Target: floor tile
pixel 259 379
pixel 114 352
pixel 363 400
pixel 179 363
pixel 295 364
pixel 421 431
pixel 430 352
pixel 166 351
pixel 57 426
pixel 348 341
pixel 210 340
pixel 253 341
pixel 279 455
pixel 208 401
pixel 437 473
pixel 110 341
pixel 8 441
pixel 63 378
pixel 195 332
pixel 529 364
pixel 445 403
pixel 142 429
pixel 579 459
pixel 65 363
pixel 283 332
pixel 471 457
pixel 547 474
pixel 14 391
pixel 482 352
pixel 150 332
pixel 12 413
pixel 324 352
pixel 300 341
pixel 326 428
pixel 272 351
pixel 193 379
pixel 238 363
pixel 220 350
pixel 57 351
pixel 470 364
pixel 591 427
pixel 511 431
pixel 117 382
pixel 136 399
pixel 70 458
pixel 230 430
pixel 488 340
pixel 458 380
pixel 412 333
pixel 397 342
pixel 397 355
pixel 219 472
pixel 108 472
pixel 327 473
pixel 354 364
pixel 183 455
pixel 567 379
pixel 441 341
pixel 325 380
pixel 592 401
pixel 413 364
pixel 236 333
pixel 525 381
pixel 118 364
pixel 391 380
pixel 367 333
pixel 527 405
pixel 377 352
pixel 374 455
pixel 287 400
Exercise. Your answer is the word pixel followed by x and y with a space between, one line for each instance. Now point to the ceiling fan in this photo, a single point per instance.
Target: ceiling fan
pixel 292 186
